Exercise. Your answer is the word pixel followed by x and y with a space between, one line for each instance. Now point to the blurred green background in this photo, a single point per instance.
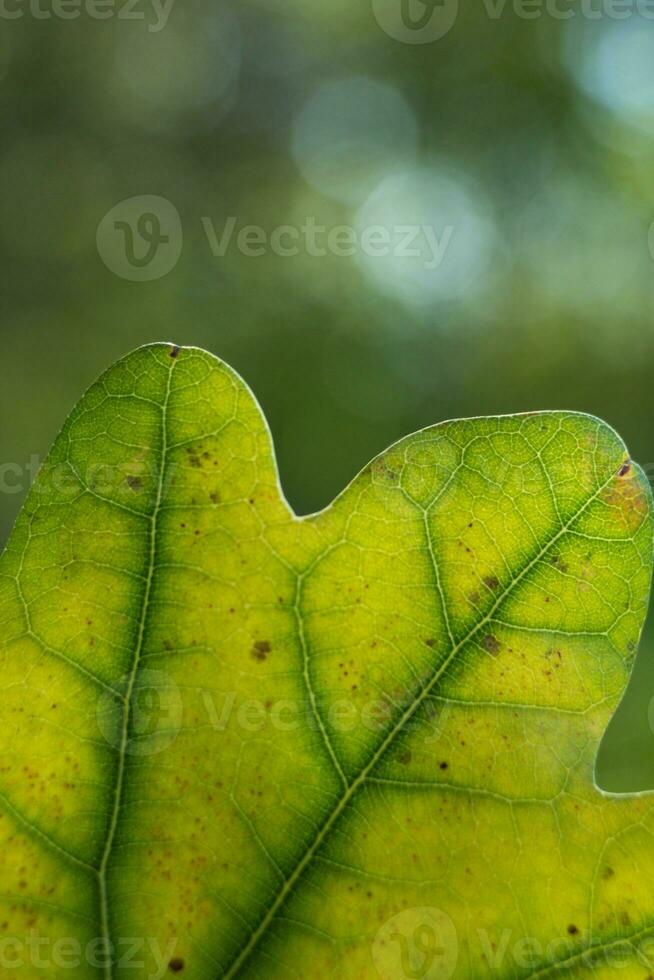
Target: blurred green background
pixel 524 137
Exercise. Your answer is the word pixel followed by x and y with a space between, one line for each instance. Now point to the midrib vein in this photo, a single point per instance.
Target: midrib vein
pixel 356 784
pixel 133 674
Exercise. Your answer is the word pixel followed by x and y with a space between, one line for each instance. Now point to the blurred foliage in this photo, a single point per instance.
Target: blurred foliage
pixel 533 139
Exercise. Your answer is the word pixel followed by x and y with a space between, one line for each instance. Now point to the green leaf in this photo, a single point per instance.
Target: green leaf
pixel 236 743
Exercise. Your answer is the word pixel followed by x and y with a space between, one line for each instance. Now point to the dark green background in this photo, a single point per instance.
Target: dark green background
pixel 548 123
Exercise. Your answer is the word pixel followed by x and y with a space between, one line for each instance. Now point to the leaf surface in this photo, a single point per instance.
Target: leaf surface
pixel 236 743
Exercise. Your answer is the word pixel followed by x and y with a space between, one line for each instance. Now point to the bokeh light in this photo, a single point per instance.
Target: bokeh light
pixel 435 241
pixel 350 133
pixel 613 63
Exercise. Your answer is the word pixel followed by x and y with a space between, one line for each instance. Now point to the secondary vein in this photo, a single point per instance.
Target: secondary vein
pixel 331 751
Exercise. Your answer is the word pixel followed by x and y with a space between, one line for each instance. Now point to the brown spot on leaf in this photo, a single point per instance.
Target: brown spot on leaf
pixel 491 582
pixel 382 471
pixel 559 563
pixel 572 929
pixel 174 350
pixel 430 642
pixel 176 965
pixel 627 498
pixel 134 482
pixel 261 649
pixel 491 644
pixel 214 498
pixel 404 759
